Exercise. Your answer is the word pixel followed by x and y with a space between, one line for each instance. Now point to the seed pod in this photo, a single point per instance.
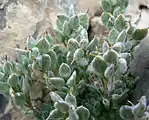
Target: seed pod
pixel 73 44
pixel 64 70
pixel 118 47
pixel 139 109
pixel 140 34
pixel 93 44
pixel 53 57
pixel 43 45
pixel 83 113
pixel 71 99
pixel 111 56
pixel 73 115
pixel 62 106
pixel 2 77
pixel 13 80
pixel 19 99
pixel 55 97
pixel 57 82
pixel 66 29
pixel 30 42
pixel 109 71
pixel 107 6
pixel 83 43
pixel 122 36
pixel 105 47
pixel 79 53
pixel 74 22
pixel 122 65
pixel 126 112
pixel 55 114
pixel 120 23
pixel 84 20
pixel 72 80
pixel 46 62
pixel 105 17
pixel 7 68
pixel 113 36
pixel 34 53
pixel 25 84
pixel 99 65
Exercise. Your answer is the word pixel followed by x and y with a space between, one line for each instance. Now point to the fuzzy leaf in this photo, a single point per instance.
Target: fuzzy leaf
pixel 105 17
pixel 57 82
pixel 73 44
pixel 72 80
pixel 62 106
pixel 74 22
pixel 84 20
pixel 13 80
pixel 30 42
pixel 66 29
pixel 55 97
pixel 83 113
pixel 64 70
pixel 109 71
pixel 83 43
pixel 55 114
pixel 79 53
pixel 140 34
pixel 122 65
pixel 107 6
pixel 113 36
pixel 122 36
pixel 71 99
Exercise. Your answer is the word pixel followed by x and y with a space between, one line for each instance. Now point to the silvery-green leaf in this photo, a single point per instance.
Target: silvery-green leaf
pixel 114 2
pixel 25 84
pixel 99 64
pixel 111 56
pixel 131 29
pixel 74 22
pixel 109 71
pixel 113 34
pixel 84 34
pixel 122 36
pixel 122 65
pixel 116 11
pixel 12 80
pixel 66 29
pixel 34 53
pixel 105 17
pixel 72 80
pixel 46 62
pixel 19 99
pixel 62 18
pixel 140 34
pixel 84 20
pixel 55 114
pixel 49 38
pixel 123 4
pixel 83 43
pixel 105 47
pixel 128 45
pixel 59 35
pixel 93 44
pixel 59 24
pixel 79 53
pixel 53 56
pixel 69 57
pixel 118 47
pixel 72 11
pixel 120 23
pixel 126 56
pixel 73 114
pixel 43 45
pixel 55 97
pixel 4 88
pixel 30 42
pixel 64 70
pixel 107 6
pixel 7 68
pixel 83 113
pixel 62 106
pixel 71 99
pixel 126 112
pixel 57 82
pixel 83 62
pixel 73 44
pixel 2 77
pixel 110 24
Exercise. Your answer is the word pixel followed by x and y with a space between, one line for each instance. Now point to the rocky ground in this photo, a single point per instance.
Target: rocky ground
pixel 21 18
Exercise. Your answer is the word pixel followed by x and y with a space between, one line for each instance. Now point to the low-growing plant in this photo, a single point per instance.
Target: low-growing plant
pixel 75 79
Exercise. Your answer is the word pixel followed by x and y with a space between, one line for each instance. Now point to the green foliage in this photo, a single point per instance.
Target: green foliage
pixel 85 82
